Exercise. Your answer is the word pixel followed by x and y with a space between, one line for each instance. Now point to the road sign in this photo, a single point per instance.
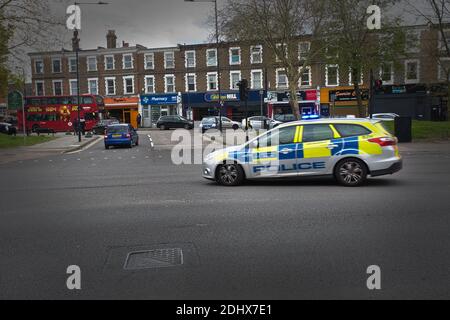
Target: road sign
pixel 15 100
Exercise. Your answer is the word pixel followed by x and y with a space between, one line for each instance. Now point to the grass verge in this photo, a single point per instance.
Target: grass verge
pixel 12 142
pixel 426 130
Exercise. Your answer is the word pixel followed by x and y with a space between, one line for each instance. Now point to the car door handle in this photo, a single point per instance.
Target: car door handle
pixel 332 146
pixel 286 151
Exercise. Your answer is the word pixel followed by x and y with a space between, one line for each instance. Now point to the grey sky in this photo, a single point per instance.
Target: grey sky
pixel 152 23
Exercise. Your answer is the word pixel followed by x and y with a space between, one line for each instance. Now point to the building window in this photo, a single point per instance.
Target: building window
pixel 149 61
pixel 211 78
pixel 191 82
pixel 110 86
pixel 169 83
pixel 149 84
pixel 169 60
pixel 128 85
pixel 93 86
pixel 128 61
pixel 256 79
pixel 56 65
pixel 73 87
pixel 91 63
pixel 412 71
pixel 235 56
pixel 281 50
pixel 39 66
pixel 332 75
pixel 40 88
pixel 304 48
pixel 72 64
pixel 350 78
pixel 211 57
pixel 190 59
pixel 256 54
pixel 109 63
pixel 235 77
pixel 387 73
pixel 282 80
pixel 305 77
pixel 57 87
pixel 412 41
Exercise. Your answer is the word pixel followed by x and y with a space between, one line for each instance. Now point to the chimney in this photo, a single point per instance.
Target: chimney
pixel 111 39
pixel 75 41
pixel 125 44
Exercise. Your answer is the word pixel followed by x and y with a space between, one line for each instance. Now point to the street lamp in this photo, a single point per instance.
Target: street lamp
pixel 219 89
pixel 24 92
pixel 78 67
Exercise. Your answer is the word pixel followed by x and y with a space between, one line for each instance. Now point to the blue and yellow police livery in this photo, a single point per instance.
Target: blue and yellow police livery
pixel 348 149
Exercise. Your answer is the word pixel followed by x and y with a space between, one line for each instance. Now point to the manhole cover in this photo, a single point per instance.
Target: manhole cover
pixel 157 258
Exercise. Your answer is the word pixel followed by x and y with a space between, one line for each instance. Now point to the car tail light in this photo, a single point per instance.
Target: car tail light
pixel 385 141
pixel 106 136
pixel 128 135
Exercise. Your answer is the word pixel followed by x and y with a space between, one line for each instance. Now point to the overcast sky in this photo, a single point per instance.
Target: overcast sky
pixel 152 23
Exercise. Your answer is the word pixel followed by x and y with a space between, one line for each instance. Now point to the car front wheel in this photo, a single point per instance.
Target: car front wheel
pixel 230 175
pixel 351 172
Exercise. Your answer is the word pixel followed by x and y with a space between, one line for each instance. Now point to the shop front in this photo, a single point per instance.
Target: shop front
pixel 158 105
pixel 124 109
pixel 196 106
pixel 342 101
pixel 278 103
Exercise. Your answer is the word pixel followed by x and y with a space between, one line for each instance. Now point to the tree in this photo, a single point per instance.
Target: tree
pixel 436 13
pixel 354 47
pixel 25 25
pixel 279 25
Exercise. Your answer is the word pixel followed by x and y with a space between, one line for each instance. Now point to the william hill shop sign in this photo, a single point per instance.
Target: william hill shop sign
pixel 214 97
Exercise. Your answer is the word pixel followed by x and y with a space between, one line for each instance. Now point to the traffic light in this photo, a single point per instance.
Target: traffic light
pixel 378 85
pixel 243 89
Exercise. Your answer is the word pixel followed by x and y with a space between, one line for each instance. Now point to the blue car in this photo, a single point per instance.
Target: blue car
pixel 121 135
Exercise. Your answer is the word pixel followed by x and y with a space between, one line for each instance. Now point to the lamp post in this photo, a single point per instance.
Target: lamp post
pixel 77 56
pixel 219 87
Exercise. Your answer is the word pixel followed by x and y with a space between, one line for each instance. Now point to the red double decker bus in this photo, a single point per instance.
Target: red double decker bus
pixel 60 113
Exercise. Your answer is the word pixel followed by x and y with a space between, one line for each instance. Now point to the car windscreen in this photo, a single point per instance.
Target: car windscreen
pixel 117 129
pixel 209 120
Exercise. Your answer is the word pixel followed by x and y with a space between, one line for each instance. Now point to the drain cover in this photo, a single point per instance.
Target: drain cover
pixel 157 258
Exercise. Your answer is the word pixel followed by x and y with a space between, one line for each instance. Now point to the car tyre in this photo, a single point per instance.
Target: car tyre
pixel 351 172
pixel 235 127
pixel 230 175
pixel 187 127
pixel 162 127
pixel 106 147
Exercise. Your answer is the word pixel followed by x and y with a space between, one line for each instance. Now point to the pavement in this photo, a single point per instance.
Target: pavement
pixel 110 211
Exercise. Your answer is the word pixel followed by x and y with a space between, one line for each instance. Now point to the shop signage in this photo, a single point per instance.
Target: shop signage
pixel 159 99
pixel 348 95
pixel 214 97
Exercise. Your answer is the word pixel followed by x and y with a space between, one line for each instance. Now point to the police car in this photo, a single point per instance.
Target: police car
pixel 348 149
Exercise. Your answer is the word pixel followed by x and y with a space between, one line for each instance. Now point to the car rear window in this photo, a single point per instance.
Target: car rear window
pixel 209 120
pixel 117 129
pixel 351 130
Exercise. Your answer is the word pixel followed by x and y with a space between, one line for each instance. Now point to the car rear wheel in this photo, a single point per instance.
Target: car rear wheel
pixel 351 172
pixel 230 175
pixel 187 127
pixel 106 147
pixel 162 127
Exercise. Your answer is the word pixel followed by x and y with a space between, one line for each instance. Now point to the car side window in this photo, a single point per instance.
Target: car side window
pixel 317 132
pixel 278 137
pixel 351 130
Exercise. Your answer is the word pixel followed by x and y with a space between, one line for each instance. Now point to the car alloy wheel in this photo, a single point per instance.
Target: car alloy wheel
pixel 162 127
pixel 351 172
pixel 230 175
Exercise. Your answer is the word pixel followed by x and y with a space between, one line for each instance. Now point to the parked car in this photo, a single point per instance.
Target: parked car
pixel 385 116
pixel 100 127
pixel 209 123
pixel 121 135
pixel 284 118
pixel 7 128
pixel 170 122
pixel 258 123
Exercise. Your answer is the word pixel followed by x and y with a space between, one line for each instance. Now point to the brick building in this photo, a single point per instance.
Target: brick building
pixel 183 79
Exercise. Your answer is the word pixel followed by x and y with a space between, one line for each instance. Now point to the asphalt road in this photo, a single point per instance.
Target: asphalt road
pixel 303 239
